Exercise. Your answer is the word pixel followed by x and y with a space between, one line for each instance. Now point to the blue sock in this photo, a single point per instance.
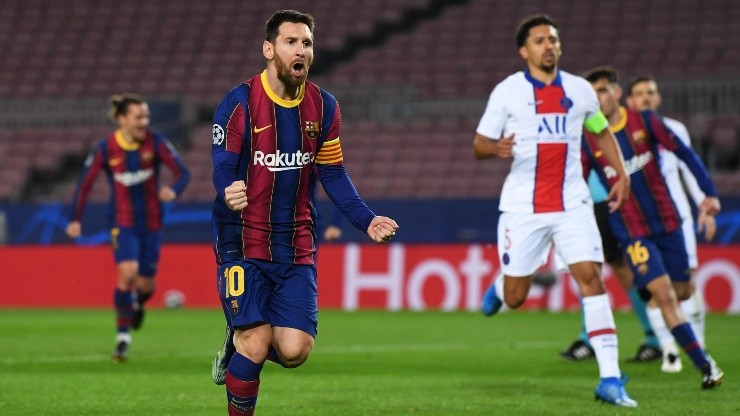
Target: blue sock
pixel 242 385
pixel 243 368
pixel 124 302
pixel 687 340
pixel 638 306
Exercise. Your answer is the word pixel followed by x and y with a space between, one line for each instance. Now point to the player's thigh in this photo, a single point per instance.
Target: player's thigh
pixel 150 248
pixel 677 264
pixel 125 244
pixel 294 300
pixel 576 236
pixel 645 260
pixel 523 242
pixel 292 344
pixel 244 291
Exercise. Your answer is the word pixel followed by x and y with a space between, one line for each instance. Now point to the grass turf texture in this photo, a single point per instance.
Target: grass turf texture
pixel 364 363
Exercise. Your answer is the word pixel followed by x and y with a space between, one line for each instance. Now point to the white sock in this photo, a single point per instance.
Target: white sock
pixel 123 336
pixel 602 333
pixel 498 286
pixel 695 312
pixel 665 338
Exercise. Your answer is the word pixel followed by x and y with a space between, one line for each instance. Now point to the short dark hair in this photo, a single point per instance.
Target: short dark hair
pixel 600 72
pixel 639 80
pixel 522 32
pixel 281 16
pixel 119 104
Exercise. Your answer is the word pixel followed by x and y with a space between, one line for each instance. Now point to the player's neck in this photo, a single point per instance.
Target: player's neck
pixel 127 136
pixel 544 77
pixel 615 118
pixel 280 89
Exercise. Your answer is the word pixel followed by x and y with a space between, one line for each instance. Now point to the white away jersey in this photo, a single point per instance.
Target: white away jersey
pixel 670 166
pixel 547 123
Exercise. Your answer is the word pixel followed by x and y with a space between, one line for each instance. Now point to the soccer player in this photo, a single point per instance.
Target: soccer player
pixel 131 157
pixel 536 117
pixel 272 135
pixel 643 94
pixel 648 226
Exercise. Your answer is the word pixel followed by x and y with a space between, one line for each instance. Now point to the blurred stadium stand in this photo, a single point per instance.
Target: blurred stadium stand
pixel 412 77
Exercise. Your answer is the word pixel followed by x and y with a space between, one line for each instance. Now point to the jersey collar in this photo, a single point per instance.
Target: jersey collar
pixel 274 97
pixel 539 84
pixel 622 121
pixel 124 144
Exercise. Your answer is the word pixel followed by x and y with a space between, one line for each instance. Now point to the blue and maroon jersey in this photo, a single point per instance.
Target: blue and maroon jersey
pixel 650 209
pixel 133 172
pixel 277 148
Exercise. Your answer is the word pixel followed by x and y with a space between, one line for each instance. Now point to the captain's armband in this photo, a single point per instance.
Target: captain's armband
pixel 596 122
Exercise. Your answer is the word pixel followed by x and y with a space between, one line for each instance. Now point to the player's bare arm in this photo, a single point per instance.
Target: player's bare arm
pixel 619 193
pixel 382 229
pixel 486 148
pixel 236 196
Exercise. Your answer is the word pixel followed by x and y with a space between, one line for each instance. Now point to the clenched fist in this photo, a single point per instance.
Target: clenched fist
pixel 236 196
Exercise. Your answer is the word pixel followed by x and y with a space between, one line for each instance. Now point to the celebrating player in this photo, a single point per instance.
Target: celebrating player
pixel 536 117
pixel 271 135
pixel 648 226
pixel 131 157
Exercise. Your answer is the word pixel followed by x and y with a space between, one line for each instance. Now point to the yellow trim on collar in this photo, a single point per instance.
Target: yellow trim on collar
pixel 129 147
pixel 278 100
pixel 622 121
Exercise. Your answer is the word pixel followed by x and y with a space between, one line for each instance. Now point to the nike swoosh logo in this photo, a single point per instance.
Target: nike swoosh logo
pixel 257 130
pixel 116 161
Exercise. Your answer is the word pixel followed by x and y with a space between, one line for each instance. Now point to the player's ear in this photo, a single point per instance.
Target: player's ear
pixel 523 52
pixel 267 50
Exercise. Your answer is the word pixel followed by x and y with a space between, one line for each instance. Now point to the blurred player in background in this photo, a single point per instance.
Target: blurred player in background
pixel 131 157
pixel 272 135
pixel 537 117
pixel 648 226
pixel 643 94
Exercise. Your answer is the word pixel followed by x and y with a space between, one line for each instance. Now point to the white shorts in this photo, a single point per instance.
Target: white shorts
pixel 689 237
pixel 524 239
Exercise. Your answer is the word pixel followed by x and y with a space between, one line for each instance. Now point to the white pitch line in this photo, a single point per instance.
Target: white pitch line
pixel 345 349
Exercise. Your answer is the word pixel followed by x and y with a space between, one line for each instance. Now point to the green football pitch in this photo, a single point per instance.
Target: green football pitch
pixel 57 362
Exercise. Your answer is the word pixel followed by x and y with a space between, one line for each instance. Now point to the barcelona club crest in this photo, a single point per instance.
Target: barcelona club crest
pixel 312 129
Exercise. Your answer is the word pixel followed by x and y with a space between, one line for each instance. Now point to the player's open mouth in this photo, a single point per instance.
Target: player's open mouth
pixel 298 69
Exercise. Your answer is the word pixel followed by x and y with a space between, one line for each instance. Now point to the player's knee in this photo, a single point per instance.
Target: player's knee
pixel 294 354
pixel 662 298
pixel 253 344
pixel 683 293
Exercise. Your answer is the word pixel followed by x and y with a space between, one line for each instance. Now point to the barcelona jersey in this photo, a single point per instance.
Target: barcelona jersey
pixel 277 148
pixel 133 172
pixel 650 209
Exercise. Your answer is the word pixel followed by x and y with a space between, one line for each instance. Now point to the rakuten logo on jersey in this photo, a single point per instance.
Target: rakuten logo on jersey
pixel 276 162
pixel 636 163
pixel 133 178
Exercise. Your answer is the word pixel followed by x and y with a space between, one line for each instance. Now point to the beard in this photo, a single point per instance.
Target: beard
pixel 285 76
